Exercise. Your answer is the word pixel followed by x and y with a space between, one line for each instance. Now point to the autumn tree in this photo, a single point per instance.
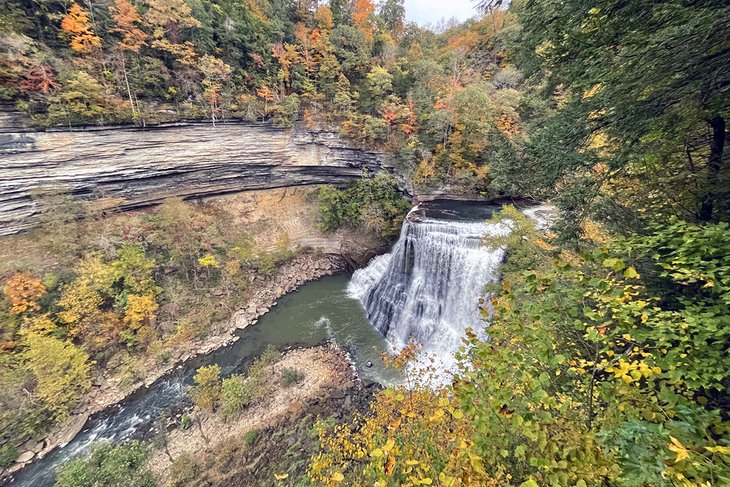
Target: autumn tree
pixel 23 291
pixel 77 26
pixel 62 371
pixel 127 21
pixel 207 389
pixel 362 17
pixel 168 18
pixel 216 74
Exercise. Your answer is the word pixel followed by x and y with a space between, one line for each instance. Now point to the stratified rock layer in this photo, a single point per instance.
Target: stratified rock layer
pixel 125 168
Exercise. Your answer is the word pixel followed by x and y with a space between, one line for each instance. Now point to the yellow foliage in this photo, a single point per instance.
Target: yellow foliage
pixel 62 371
pixel 140 310
pixel 411 436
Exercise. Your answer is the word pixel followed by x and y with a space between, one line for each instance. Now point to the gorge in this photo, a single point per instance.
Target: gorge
pixel 427 288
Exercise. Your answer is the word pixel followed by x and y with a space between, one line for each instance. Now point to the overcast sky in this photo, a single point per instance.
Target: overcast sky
pixel 431 11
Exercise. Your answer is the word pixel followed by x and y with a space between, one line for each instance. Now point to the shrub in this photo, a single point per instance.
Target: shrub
pixel 291 376
pixel 109 465
pixel 8 454
pixel 237 393
pixel 184 469
pixel 207 389
pixel 250 437
pixel 373 203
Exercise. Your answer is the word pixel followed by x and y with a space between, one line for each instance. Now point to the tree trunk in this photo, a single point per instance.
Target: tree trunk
pixel 129 89
pixel 714 164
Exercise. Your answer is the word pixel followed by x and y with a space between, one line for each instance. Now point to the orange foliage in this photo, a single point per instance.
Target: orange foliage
pixel 127 18
pixel 508 125
pixel 77 26
pixel 266 93
pixel 362 13
pixel 23 291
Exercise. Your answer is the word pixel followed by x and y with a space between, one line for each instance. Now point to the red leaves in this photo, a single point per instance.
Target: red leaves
pixel 39 78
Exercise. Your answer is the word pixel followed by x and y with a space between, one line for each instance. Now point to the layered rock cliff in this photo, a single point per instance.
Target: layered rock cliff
pixel 125 168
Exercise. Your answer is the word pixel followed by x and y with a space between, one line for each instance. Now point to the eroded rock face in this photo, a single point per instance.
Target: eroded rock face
pixel 129 168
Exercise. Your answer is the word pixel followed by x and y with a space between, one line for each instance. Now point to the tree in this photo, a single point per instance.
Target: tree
pixel 81 99
pixel 77 26
pixel 216 74
pixel 642 98
pixel 23 291
pixel 207 389
pixel 167 19
pixel 362 17
pixel 411 435
pixel 127 20
pixel 62 371
pixel 392 14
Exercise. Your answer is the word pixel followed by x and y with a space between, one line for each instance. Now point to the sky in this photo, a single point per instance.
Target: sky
pixel 426 12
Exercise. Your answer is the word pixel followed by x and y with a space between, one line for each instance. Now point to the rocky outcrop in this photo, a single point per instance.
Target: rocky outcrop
pixel 126 168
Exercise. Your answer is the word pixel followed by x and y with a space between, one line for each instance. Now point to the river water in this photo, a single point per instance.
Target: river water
pixel 429 287
pixel 319 311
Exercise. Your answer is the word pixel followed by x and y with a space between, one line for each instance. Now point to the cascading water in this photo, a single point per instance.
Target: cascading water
pixel 429 287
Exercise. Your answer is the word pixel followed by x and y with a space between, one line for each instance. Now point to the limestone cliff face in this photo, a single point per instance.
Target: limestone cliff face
pixel 127 168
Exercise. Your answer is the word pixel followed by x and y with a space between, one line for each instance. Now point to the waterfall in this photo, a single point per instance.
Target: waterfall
pixel 429 287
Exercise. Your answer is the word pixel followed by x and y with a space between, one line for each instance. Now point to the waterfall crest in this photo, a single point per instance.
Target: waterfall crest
pixel 430 285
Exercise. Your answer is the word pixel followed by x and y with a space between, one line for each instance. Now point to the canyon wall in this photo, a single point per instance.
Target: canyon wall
pixel 127 168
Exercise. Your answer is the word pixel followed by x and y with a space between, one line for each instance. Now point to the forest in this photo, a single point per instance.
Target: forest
pixel 606 360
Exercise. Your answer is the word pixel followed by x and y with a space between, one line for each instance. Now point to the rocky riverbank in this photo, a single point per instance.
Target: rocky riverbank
pixel 274 435
pixel 109 389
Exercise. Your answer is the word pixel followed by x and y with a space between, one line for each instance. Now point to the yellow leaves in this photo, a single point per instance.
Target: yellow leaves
pixel 437 415
pixel 679 449
pixel 632 372
pixel 337 477
pixel 140 310
pixel 282 476
pixel 208 260
pixel 630 273
pixel 723 450
pixel 369 458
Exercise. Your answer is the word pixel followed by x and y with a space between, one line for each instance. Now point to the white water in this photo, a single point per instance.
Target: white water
pixel 429 287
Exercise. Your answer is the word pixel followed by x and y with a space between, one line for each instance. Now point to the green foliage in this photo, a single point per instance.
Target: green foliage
pixel 109 465
pixel 237 393
pixel 62 371
pixel 250 438
pixel 291 376
pixel 80 101
pixel 207 389
pixel 632 108
pixel 285 113
pixel 371 202
pixel 595 372
pixel 8 454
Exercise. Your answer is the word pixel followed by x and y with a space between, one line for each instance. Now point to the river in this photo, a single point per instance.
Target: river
pixel 429 287
pixel 317 312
